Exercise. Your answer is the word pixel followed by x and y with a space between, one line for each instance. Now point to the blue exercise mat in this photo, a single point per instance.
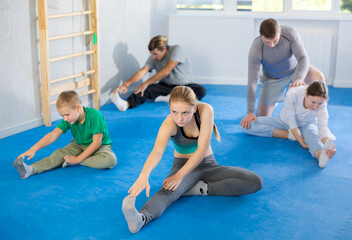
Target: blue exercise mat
pixel 299 200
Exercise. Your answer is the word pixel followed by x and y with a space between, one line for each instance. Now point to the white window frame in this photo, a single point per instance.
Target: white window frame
pixel 230 8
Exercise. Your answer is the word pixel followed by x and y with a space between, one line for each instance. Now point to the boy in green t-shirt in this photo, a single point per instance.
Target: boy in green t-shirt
pixel 90 147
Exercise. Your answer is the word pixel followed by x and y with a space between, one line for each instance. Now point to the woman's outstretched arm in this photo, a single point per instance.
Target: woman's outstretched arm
pixel 165 132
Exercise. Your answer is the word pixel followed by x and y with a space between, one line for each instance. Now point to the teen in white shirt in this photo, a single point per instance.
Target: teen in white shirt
pixel 304 118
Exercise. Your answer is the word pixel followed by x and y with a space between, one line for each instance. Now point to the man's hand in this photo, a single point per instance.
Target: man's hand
pixel 123 88
pixel 141 88
pixel 296 83
pixel 246 121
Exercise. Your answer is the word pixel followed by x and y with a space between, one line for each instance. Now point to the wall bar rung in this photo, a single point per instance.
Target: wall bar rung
pixel 71 56
pixel 70 35
pixel 70 86
pixel 71 76
pixel 69 14
pixel 81 94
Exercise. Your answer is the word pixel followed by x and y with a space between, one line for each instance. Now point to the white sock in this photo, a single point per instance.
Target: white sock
pixel 121 104
pixel 23 169
pixel 66 164
pixel 323 158
pixel 162 98
pixel 291 136
pixel 135 219
pixel 200 188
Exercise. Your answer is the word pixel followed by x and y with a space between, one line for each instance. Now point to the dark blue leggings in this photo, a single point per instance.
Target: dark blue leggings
pixel 161 89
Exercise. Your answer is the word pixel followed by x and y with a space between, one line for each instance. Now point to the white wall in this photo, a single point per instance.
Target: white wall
pixel 126 26
pixel 219 44
pixel 19 84
pixel 343 76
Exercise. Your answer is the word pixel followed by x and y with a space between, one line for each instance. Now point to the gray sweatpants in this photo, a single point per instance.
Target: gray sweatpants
pixel 221 180
pixel 102 158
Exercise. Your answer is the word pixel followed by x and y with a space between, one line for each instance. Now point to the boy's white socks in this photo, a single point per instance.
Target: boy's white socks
pixel 135 219
pixel 200 188
pixel 23 169
pixel 121 104
pixel 162 98
pixel 66 164
pixel 323 158
pixel 291 136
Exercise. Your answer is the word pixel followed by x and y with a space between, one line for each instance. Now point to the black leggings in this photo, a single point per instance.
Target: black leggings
pixel 221 180
pixel 161 89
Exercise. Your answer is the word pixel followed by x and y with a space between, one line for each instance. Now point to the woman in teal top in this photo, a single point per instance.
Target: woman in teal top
pixel 184 144
pixel 195 170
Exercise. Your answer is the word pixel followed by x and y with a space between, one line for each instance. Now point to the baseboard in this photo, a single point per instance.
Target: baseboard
pixel 220 80
pixel 343 83
pixel 21 127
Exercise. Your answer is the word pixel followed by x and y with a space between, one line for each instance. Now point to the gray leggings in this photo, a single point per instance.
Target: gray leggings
pixel 221 180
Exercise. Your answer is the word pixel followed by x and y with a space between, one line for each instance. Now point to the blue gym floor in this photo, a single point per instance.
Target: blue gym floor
pixel 299 200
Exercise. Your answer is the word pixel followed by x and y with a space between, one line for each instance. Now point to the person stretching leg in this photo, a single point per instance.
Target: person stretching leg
pixel 189 125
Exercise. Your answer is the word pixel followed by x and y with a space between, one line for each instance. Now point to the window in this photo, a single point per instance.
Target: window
pixel 260 5
pixel 200 4
pixel 346 6
pixel 271 6
pixel 311 5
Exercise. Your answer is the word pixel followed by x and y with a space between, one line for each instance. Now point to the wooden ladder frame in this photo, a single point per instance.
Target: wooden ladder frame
pixel 94 82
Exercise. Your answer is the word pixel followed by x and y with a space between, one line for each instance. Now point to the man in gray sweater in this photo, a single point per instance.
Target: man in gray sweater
pixel 279 49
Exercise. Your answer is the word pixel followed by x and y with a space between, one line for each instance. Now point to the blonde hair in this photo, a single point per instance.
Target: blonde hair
pixel 68 98
pixel 158 42
pixel 186 94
